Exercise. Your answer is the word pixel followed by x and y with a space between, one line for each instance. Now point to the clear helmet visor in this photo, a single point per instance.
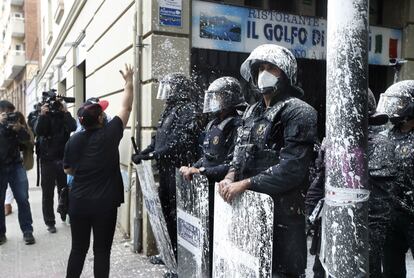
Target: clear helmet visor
pixel 391 105
pixel 212 102
pixel 164 91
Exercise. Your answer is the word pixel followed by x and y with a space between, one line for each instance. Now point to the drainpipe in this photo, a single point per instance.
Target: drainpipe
pixel 136 127
pixel 344 248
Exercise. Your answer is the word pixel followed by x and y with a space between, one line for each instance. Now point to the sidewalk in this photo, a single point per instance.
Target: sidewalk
pixel 48 257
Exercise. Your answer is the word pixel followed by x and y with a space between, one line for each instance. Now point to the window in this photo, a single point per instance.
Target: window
pixel 18 15
pixel 19 47
pixel 49 22
pixel 59 11
pixel 43 34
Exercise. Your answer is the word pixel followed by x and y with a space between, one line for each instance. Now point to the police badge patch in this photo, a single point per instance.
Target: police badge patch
pixel 260 130
pixel 216 140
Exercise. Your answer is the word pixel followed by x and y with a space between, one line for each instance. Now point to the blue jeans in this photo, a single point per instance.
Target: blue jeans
pixel 15 176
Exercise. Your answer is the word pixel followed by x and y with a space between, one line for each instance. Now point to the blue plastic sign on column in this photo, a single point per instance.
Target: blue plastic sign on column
pixel 170 12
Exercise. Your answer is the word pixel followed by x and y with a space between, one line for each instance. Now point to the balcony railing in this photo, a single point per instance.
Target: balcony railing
pixel 4 82
pixel 17 26
pixel 17 2
pixel 15 62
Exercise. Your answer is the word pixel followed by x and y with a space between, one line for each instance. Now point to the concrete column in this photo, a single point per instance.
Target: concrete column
pixel 166 50
pixel 344 250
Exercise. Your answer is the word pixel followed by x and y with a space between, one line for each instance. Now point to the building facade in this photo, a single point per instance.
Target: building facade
pixel 85 43
pixel 19 49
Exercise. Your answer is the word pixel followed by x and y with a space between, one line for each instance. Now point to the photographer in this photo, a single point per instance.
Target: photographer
pixel 13 137
pixel 32 117
pixel 52 128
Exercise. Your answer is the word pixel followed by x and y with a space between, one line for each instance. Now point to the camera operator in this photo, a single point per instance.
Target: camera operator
pixel 52 128
pixel 32 117
pixel 13 136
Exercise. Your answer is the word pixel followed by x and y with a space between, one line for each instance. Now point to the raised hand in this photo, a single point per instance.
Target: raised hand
pixel 128 74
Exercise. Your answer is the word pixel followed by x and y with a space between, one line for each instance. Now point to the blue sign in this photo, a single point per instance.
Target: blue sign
pixel 170 13
pixel 240 29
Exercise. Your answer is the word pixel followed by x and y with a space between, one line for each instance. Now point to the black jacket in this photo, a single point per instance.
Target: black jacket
pixel 175 141
pixel 217 167
pixel 299 123
pixel 274 149
pixel 381 179
pixel 11 143
pixel 404 156
pixel 53 131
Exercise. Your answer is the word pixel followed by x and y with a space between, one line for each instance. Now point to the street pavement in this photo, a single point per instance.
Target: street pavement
pixel 48 257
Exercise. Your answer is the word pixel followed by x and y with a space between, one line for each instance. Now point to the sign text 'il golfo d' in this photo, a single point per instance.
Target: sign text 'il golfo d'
pixel 240 29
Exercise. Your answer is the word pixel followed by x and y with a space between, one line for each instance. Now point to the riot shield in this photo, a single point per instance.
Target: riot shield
pixel 243 236
pixel 156 217
pixel 193 231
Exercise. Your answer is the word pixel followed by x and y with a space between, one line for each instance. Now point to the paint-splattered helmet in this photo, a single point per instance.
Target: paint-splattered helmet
pixel 273 54
pixel 223 93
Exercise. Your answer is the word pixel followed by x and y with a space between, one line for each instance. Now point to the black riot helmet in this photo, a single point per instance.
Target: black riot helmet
pixel 396 98
pixel 223 93
pixel 175 87
pixel 275 55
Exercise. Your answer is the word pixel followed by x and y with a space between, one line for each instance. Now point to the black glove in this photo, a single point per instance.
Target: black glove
pixel 137 158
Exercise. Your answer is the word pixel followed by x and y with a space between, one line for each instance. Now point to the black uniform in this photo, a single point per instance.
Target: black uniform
pixel 400 236
pixel 382 174
pixel 274 149
pixel 218 147
pixel 174 144
pixel 32 118
pixel 52 131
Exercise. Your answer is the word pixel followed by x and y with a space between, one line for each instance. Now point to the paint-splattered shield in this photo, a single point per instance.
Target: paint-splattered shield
pixel 193 232
pixel 243 236
pixel 154 210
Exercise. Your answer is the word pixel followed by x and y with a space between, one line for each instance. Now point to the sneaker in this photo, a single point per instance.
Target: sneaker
pixel 3 239
pixel 156 259
pixel 7 209
pixel 51 229
pixel 28 238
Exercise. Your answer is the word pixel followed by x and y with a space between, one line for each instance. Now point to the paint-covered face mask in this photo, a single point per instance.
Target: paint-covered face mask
pixel 267 82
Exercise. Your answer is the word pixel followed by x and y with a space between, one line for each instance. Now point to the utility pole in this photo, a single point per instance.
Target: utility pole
pixel 344 250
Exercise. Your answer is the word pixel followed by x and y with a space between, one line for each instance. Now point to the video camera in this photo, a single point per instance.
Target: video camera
pixel 11 119
pixel 54 100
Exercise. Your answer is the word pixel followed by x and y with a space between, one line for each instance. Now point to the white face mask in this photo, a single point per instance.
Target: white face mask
pixel 266 79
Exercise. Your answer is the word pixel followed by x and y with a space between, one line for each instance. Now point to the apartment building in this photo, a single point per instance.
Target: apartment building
pixel 19 51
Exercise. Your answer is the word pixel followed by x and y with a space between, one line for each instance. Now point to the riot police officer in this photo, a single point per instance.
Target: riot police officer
pixel 174 143
pixel 273 152
pixel 382 174
pixel 398 102
pixel 222 100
